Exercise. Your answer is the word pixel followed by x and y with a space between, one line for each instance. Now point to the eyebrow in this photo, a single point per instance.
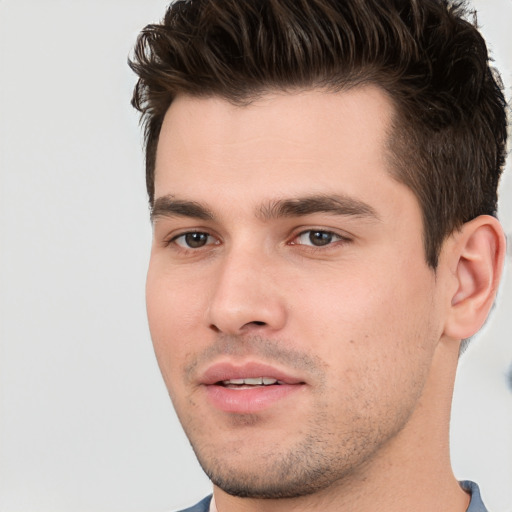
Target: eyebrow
pixel 169 206
pixel 333 204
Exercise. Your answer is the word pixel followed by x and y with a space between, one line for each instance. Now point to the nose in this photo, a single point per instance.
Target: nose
pixel 246 296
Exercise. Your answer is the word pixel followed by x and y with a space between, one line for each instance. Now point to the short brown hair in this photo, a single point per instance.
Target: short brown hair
pixel 450 129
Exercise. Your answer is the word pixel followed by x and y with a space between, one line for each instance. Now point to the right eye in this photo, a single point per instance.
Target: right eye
pixel 194 240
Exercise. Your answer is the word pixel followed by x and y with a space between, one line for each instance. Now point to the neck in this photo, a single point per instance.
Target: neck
pixel 412 471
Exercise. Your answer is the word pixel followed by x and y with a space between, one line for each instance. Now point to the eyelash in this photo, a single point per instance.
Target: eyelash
pixel 174 240
pixel 322 232
pixel 339 239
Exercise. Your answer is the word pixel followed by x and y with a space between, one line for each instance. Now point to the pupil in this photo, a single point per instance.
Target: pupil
pixel 320 237
pixel 195 240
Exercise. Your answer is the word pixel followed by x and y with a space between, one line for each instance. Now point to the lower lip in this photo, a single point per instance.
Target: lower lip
pixel 248 401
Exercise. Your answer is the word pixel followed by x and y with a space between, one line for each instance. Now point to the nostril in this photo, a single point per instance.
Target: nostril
pixel 247 326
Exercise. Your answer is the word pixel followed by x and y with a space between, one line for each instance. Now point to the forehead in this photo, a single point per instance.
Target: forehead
pixel 307 141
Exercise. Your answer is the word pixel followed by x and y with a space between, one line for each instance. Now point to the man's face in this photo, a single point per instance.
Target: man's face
pixel 292 312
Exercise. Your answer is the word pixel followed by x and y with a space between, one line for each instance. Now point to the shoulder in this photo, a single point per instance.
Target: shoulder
pixel 202 506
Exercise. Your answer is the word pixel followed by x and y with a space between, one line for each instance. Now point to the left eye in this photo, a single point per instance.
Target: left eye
pixel 193 240
pixel 317 238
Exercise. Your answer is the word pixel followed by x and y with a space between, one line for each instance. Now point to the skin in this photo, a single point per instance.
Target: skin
pixel 365 326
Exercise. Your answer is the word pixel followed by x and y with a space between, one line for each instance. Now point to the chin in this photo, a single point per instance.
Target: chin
pixel 274 474
pixel 251 484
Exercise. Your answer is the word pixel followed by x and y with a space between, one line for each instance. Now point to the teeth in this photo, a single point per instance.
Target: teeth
pixel 253 381
pixel 234 381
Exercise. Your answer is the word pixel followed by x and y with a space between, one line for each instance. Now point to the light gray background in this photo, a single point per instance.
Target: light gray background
pixel 85 421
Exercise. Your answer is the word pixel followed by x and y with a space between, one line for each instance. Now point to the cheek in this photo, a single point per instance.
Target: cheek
pixel 173 309
pixel 368 314
pixel 174 304
pixel 378 341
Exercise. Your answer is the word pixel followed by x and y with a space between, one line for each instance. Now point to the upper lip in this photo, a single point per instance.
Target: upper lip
pixel 219 372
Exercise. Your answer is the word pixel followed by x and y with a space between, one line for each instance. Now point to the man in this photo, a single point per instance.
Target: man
pixel 322 177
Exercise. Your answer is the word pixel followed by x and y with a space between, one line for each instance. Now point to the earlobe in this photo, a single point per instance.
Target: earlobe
pixel 478 255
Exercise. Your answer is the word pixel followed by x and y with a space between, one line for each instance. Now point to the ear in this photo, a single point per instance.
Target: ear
pixel 477 264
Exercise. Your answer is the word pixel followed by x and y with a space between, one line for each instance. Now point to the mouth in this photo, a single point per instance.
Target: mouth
pixel 248 388
pixel 249 383
pixel 246 374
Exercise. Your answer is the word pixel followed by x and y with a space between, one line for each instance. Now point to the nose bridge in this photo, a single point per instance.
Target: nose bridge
pixel 245 295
